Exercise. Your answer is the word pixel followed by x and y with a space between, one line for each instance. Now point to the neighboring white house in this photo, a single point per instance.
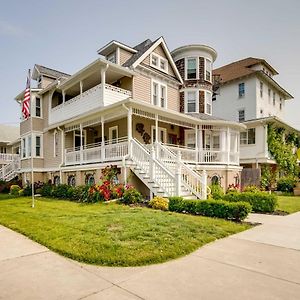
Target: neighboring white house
pixel 245 91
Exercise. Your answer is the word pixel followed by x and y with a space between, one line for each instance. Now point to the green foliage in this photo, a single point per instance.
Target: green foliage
pixel 14 190
pixel 46 190
pixel 269 176
pixel 211 208
pixel 282 150
pixel 216 191
pixel 62 191
pixel 251 189
pixel 260 201
pixel 286 184
pixel 27 190
pixel 159 203
pixel 21 192
pixel 131 196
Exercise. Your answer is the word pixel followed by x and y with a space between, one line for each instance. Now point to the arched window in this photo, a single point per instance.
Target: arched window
pixel 237 179
pixel 216 180
pixel 56 180
pixel 71 180
pixel 89 179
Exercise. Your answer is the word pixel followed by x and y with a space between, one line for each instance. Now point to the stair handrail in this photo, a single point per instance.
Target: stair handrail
pixel 186 170
pixel 158 166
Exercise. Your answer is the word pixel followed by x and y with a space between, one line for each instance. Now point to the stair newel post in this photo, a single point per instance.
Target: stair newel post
pixel 151 164
pixel 204 188
pixel 178 174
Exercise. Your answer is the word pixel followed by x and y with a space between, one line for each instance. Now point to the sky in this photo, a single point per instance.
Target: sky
pixel 65 35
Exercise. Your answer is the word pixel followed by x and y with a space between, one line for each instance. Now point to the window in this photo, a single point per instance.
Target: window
pixel 163 64
pixel 269 95
pixel 208 69
pixel 158 62
pixel 159 94
pixel 274 98
pixel 241 90
pixel 154 60
pixel 216 141
pixel 155 93
pixel 190 138
pixel 38 146
pixel 162 134
pixel 208 103
pixel 23 148
pixel 113 134
pixel 241 115
pixel 261 88
pixel 89 179
pixel 112 57
pixel 191 68
pixel 37 107
pixel 2 149
pixel 248 137
pixel 280 103
pixel 71 180
pixel 216 180
pixel 191 101
pixel 162 96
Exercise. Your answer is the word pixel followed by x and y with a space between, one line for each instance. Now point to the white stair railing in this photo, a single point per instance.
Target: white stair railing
pixel 158 173
pixel 192 180
pixel 9 171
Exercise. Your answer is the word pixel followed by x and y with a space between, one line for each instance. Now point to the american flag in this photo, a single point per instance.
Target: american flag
pixel 26 101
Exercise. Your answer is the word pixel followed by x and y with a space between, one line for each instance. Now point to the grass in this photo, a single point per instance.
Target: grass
pixel 289 204
pixel 112 234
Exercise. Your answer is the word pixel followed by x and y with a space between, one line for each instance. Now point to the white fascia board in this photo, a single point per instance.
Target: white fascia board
pixel 170 59
pixel 118 44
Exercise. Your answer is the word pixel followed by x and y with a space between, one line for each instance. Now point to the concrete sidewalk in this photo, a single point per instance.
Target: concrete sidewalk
pixel 261 263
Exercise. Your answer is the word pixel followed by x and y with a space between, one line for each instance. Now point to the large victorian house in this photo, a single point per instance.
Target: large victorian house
pixel 142 108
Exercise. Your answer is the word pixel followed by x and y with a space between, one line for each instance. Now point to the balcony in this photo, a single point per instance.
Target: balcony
pixel 8 157
pixel 87 102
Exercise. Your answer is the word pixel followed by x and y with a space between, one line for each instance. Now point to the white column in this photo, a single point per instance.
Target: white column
pixel 201 144
pixel 196 144
pixel 129 129
pixel 178 175
pixel 228 145
pixel 266 141
pixel 152 169
pixel 204 191
pixel 156 134
pixel 81 148
pixel 102 140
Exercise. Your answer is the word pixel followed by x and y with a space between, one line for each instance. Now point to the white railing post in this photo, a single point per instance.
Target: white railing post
pixel 102 140
pixel 178 174
pixel 204 187
pixel 151 164
pixel 228 145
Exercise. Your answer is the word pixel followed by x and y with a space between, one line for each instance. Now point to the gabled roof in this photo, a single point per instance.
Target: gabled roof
pixel 240 68
pixel 145 48
pixel 8 133
pixel 42 70
pixel 109 47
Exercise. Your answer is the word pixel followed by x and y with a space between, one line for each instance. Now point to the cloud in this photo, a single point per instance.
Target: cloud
pixel 7 29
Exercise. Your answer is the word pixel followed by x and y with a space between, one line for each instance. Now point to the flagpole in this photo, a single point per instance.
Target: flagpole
pixel 31 146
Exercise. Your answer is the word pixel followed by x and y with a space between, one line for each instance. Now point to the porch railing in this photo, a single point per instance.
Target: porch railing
pixel 8 157
pixel 112 150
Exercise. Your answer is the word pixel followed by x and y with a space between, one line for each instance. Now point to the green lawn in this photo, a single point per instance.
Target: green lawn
pixel 289 204
pixel 112 234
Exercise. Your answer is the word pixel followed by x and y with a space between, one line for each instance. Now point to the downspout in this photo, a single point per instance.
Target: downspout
pixel 62 152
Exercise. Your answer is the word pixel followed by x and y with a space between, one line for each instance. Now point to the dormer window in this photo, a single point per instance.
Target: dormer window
pixel 112 57
pixel 158 62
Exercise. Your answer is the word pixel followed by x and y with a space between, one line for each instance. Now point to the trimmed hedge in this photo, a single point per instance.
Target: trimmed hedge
pixel 211 208
pixel 260 201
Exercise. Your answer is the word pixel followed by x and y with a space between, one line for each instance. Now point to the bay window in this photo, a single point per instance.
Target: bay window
pixel 208 67
pixel 191 71
pixel 191 101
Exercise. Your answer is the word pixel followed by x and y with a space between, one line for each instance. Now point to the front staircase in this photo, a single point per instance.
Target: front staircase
pixel 164 173
pixel 10 170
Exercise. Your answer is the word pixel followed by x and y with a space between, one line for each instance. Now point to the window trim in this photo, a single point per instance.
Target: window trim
pixel 205 68
pixel 110 130
pixel 239 94
pixel 25 145
pixel 159 85
pixel 41 106
pixel 186 67
pixel 247 137
pixel 239 110
pixel 205 102
pixel 163 129
pixel 196 91
pixel 159 59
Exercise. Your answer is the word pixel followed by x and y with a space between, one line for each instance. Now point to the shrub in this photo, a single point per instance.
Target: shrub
pixel 78 193
pixel 251 189
pixel 286 184
pixel 159 203
pixel 131 196
pixel 46 190
pixel 27 190
pixel 216 191
pixel 61 191
pixel 233 188
pixel 21 192
pixel 260 201
pixel 14 190
pixel 211 208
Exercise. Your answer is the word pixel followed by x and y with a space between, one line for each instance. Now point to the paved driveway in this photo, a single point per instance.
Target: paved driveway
pixel 261 263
